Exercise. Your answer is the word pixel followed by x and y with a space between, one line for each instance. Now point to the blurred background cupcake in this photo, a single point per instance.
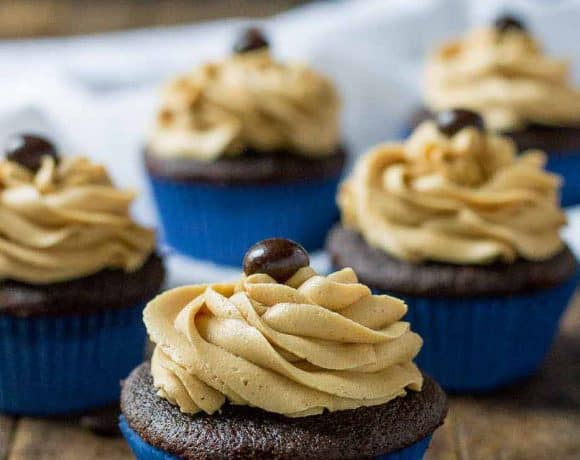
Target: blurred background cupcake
pixel 468 234
pixel 502 73
pixel 284 364
pixel 244 149
pixel 75 272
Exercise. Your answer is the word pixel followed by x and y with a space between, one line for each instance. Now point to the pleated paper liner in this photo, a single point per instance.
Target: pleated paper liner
pixel 567 165
pixel 479 344
pixel 144 451
pixel 62 364
pixel 219 223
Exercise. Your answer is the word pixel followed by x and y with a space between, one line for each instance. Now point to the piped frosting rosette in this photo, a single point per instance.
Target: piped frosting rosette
pixel 66 221
pixel 247 101
pixel 505 76
pixel 297 348
pixel 464 198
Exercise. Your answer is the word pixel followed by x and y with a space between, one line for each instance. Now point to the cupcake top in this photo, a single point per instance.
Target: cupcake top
pixel 502 73
pixel 283 339
pixel 62 218
pixel 247 102
pixel 454 193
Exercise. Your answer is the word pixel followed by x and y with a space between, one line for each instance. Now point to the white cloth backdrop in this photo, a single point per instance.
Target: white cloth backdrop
pixel 98 93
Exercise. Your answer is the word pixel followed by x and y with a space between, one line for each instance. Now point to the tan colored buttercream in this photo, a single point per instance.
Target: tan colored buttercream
pixel 65 222
pixel 465 199
pixel 505 77
pixel 298 348
pixel 247 101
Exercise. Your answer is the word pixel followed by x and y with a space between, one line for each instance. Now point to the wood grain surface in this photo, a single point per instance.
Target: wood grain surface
pixel 43 439
pixel 6 428
pixel 536 420
pixel 34 18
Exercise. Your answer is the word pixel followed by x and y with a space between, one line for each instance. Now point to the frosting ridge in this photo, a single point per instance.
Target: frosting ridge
pixel 65 222
pixel 504 76
pixel 311 344
pixel 247 101
pixel 464 199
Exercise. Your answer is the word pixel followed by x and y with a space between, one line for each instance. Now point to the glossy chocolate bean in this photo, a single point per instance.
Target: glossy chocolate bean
pixel 278 257
pixel 28 150
pixel 450 122
pixel 509 22
pixel 251 39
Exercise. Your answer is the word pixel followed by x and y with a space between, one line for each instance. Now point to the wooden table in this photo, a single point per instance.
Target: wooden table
pixel 35 18
pixel 536 421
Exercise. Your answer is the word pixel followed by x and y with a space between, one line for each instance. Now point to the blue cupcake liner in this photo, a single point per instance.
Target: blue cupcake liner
pixel 567 165
pixel 219 223
pixel 63 364
pixel 479 344
pixel 413 452
pixel 144 451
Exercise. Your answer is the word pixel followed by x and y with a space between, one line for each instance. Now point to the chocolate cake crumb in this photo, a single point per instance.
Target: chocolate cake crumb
pixel 240 432
pixel 379 270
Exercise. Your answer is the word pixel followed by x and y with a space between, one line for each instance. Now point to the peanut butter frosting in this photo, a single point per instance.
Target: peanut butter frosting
pixel 461 199
pixel 247 101
pixel 506 77
pixel 297 348
pixel 66 221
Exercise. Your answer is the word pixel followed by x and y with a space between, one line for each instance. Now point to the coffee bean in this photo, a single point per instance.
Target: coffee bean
pixel 278 257
pixel 509 22
pixel 28 150
pixel 251 39
pixel 450 122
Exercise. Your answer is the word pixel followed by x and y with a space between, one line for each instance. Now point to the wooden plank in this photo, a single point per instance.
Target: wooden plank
pixel 571 321
pixel 443 444
pixel 27 18
pixel 6 432
pixel 45 439
pixel 496 430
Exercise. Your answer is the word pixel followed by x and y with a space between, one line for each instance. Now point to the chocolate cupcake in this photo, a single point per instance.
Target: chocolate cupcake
pixel 284 364
pixel 75 273
pixel 467 233
pixel 246 145
pixel 502 73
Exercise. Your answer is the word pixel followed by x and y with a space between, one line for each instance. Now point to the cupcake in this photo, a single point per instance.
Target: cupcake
pixel 468 235
pixel 502 73
pixel 75 273
pixel 245 147
pixel 283 364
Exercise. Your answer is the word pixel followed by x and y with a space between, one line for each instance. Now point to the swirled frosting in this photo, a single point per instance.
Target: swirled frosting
pixel 465 199
pixel 248 101
pixel 504 76
pixel 298 348
pixel 65 222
